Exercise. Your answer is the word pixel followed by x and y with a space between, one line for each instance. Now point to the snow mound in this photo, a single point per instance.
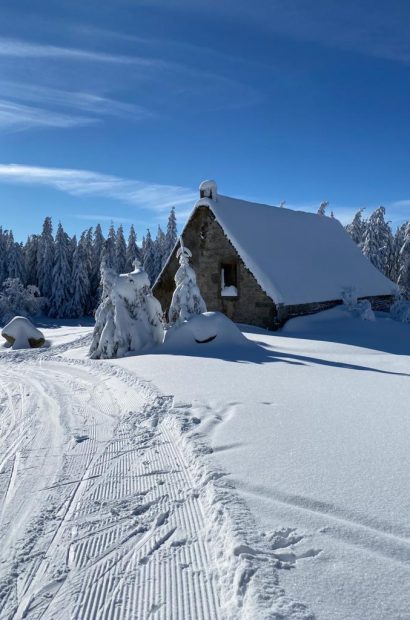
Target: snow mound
pixel 20 333
pixel 207 329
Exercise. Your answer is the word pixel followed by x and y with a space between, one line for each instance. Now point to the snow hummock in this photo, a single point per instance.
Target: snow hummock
pixel 20 333
pixel 202 330
pixel 296 257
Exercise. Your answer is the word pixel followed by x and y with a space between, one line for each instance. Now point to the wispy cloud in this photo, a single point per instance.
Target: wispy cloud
pixel 152 196
pixel 25 49
pixel 82 101
pixel 17 117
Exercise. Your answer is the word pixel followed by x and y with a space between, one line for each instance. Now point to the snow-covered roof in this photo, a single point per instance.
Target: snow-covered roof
pixel 296 257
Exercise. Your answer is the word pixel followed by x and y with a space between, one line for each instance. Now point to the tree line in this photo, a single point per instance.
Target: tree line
pixel 65 272
pixel 388 251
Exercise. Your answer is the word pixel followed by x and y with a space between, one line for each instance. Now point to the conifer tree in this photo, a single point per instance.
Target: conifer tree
pixel 159 252
pixel 97 255
pixel 15 259
pixel 322 208
pixel 3 255
pixel 404 271
pixel 149 257
pixel 171 236
pixel 61 275
pixel 45 259
pixel 120 250
pixel 378 240
pixel 109 257
pixel 133 253
pixel 186 300
pixel 357 228
pixel 80 282
pixel 30 259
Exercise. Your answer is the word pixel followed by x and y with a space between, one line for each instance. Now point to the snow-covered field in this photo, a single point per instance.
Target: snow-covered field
pixel 262 480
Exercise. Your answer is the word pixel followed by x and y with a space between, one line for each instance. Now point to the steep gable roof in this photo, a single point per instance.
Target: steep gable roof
pixel 296 257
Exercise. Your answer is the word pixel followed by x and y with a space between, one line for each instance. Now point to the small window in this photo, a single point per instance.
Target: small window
pixel 229 280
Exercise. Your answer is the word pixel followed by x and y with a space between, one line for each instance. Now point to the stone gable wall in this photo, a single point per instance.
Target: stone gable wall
pixel 210 249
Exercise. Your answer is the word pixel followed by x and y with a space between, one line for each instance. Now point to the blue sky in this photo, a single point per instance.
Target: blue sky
pixel 116 110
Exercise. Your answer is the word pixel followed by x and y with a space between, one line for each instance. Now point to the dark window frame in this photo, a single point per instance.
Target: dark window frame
pixel 232 280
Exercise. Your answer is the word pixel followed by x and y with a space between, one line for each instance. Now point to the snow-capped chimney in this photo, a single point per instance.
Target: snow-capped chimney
pixel 208 189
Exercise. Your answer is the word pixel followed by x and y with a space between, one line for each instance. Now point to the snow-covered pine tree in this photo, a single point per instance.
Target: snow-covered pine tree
pixel 378 241
pixel 80 282
pixel 149 257
pixel 3 255
pixel 30 259
pixel 61 275
pixel 133 252
pixel 109 257
pixel 45 259
pixel 171 235
pixel 186 300
pixel 15 259
pixel 396 259
pixel 97 255
pixel 404 271
pixel 357 228
pixel 322 208
pixel 129 317
pixel 159 252
pixel 120 250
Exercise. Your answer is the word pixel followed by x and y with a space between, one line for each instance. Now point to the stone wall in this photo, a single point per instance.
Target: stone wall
pixel 210 249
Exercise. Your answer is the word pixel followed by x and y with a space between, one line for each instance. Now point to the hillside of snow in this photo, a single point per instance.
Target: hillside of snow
pixel 263 478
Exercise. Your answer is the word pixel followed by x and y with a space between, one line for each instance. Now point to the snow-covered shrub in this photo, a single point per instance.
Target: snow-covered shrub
pixel 361 309
pixel 129 317
pixel 16 299
pixel 400 311
pixel 186 300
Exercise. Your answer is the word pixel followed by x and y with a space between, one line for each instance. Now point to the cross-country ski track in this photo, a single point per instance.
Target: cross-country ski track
pixel 110 507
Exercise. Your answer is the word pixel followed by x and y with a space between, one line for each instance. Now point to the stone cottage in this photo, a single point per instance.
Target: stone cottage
pixel 261 265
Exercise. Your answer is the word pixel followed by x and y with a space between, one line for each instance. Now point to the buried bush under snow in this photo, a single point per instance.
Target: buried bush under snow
pixel 400 311
pixel 359 308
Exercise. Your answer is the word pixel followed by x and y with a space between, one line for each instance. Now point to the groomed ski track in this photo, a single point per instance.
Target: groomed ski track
pixel 110 508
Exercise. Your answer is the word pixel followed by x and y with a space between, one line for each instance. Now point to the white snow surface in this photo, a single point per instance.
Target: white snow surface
pixel 21 329
pixel 296 257
pixel 258 479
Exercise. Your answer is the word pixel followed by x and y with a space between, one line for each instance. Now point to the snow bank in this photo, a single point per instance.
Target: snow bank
pixel 20 333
